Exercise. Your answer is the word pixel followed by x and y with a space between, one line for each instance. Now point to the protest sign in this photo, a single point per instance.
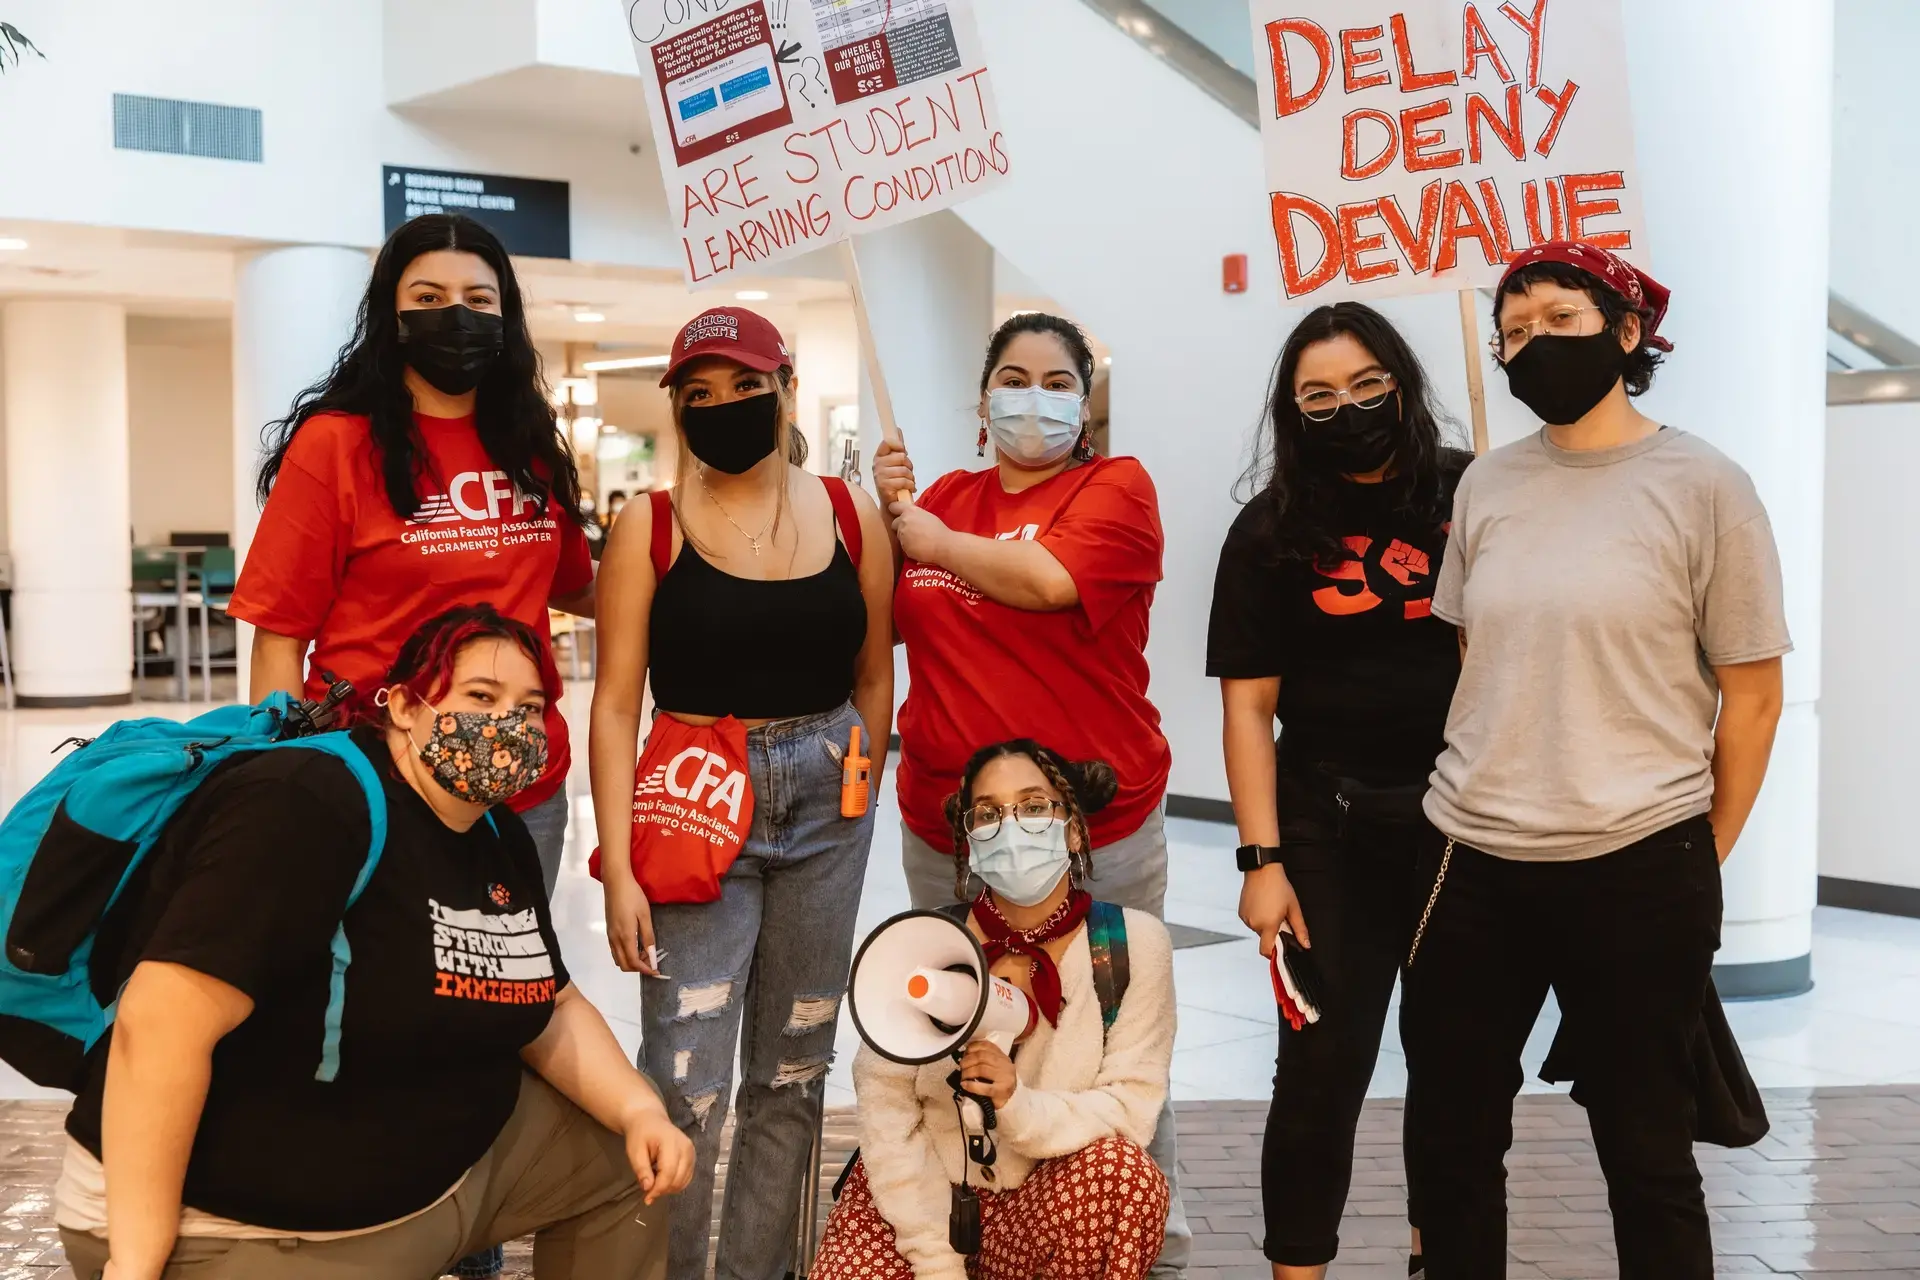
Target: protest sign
pixel 1420 145
pixel 785 126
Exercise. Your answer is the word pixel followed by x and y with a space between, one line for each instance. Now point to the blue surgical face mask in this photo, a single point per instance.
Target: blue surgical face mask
pixel 1020 866
pixel 1035 428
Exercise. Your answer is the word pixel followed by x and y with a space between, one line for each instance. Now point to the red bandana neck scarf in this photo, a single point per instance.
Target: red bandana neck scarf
pixel 1003 940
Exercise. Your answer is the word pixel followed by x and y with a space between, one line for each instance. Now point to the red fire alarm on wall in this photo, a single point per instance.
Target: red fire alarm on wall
pixel 1233 273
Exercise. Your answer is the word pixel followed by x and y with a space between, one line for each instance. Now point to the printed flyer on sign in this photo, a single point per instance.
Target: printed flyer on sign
pixel 1421 145
pixel 789 125
pixel 876 45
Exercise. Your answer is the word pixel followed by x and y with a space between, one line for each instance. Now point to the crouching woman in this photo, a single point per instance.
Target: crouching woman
pixel 317 1071
pixel 1068 1190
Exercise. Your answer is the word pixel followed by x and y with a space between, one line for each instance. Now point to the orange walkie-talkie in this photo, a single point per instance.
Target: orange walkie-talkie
pixel 855 772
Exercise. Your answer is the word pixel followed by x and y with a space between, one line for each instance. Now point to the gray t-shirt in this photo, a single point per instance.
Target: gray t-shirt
pixel 1597 589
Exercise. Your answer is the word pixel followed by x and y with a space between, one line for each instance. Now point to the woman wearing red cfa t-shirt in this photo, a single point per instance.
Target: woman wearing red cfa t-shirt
pixel 424 472
pixel 1023 602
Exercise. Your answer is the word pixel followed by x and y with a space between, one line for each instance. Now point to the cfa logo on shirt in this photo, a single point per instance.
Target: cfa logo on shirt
pixel 475 495
pixel 1025 533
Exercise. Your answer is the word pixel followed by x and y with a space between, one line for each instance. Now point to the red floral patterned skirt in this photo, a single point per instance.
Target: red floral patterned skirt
pixel 1098 1214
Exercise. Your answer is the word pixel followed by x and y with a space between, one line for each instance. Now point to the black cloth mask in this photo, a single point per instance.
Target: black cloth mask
pixel 1563 379
pixel 733 437
pixel 1354 441
pixel 452 347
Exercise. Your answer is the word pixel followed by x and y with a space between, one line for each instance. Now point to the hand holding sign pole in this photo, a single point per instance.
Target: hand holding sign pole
pixel 1415 146
pixel 876 370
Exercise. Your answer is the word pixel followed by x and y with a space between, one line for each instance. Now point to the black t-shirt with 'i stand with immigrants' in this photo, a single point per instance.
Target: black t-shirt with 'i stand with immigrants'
pixel 1366 671
pixel 454 970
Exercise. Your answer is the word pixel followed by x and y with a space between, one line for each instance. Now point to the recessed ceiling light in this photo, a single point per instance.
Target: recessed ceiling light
pixel 11 244
pixel 630 362
pixel 1108 360
pixel 589 317
pixel 752 295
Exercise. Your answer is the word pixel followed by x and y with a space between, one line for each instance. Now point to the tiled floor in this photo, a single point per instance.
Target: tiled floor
pixel 1841 1172
pixel 1833 1191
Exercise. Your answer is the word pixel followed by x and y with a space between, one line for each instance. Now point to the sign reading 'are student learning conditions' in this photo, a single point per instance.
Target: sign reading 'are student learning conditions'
pixel 1419 145
pixel 788 125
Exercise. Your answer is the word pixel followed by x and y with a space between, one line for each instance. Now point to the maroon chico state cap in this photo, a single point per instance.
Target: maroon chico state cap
pixel 733 332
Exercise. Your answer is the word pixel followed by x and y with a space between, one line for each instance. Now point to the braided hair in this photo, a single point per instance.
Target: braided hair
pixel 1084 788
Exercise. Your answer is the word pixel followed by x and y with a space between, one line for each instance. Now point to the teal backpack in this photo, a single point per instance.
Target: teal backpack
pixel 72 843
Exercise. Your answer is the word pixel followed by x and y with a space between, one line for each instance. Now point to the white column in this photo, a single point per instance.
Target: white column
pixel 929 286
pixel 827 362
pixel 293 309
pixel 68 521
pixel 1733 124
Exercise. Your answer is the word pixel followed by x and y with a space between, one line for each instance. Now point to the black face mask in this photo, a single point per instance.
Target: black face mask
pixel 1354 441
pixel 1563 379
pixel 735 436
pixel 452 347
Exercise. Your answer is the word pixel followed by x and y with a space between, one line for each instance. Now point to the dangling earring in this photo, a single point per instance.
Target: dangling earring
pixel 1083 447
pixel 983 440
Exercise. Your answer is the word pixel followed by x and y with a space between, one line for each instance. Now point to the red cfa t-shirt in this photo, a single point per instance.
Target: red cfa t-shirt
pixel 1074 680
pixel 332 561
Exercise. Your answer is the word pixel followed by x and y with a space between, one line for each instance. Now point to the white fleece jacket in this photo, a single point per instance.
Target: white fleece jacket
pixel 1078 1084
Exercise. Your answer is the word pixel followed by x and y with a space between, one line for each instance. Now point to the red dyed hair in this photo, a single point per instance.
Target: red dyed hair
pixel 425 664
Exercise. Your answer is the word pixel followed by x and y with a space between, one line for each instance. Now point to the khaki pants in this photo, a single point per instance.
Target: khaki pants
pixel 553 1172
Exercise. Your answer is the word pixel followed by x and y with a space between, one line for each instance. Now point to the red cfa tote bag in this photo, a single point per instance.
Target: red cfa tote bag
pixel 692 809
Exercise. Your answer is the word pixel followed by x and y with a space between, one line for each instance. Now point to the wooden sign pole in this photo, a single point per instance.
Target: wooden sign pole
pixel 1476 383
pixel 876 375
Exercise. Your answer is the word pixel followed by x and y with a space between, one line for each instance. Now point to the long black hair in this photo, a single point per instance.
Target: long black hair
pixel 1295 501
pixel 512 413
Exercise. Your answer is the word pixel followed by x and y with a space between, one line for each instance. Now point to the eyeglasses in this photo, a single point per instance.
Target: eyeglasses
pixel 1369 392
pixel 1033 815
pixel 1563 320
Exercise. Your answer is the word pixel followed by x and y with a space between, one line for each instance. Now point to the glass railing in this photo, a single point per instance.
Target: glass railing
pixel 1867 361
pixel 1210 42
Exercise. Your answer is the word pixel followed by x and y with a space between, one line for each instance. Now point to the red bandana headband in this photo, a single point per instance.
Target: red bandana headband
pixel 1640 290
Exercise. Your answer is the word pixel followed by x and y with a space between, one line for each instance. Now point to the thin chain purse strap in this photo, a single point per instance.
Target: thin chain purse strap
pixel 1446 860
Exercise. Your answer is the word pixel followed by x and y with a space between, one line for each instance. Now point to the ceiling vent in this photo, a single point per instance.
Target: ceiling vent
pixel 172 127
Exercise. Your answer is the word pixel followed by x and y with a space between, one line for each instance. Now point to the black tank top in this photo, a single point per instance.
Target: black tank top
pixel 723 645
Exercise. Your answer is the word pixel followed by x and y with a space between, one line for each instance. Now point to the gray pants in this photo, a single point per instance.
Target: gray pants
pixel 547 824
pixel 1130 873
pixel 553 1172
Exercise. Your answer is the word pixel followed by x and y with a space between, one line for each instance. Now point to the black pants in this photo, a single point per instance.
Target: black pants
pixel 1626 942
pixel 1357 882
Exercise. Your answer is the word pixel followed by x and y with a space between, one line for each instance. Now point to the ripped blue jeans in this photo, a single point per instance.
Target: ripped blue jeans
pixel 759 975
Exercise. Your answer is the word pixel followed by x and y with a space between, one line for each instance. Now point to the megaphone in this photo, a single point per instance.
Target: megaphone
pixel 921 990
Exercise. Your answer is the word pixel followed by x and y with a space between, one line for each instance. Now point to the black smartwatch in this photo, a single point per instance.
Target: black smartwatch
pixel 1252 857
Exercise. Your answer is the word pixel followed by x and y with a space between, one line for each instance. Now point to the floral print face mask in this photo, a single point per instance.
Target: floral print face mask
pixel 485 759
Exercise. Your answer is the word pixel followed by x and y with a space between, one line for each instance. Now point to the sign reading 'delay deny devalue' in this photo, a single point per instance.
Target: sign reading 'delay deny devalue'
pixel 530 215
pixel 1420 145
pixel 785 126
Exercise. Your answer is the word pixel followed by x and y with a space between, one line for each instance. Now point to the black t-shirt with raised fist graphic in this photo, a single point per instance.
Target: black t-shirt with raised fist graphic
pixel 1366 671
pixel 454 970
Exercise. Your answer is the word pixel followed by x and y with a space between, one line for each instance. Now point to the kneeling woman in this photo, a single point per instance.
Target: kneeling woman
pixel 1072 1193
pixel 226 1154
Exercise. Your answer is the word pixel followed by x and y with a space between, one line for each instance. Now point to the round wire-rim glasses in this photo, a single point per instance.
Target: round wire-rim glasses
pixel 1563 320
pixel 1369 392
pixel 1032 815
